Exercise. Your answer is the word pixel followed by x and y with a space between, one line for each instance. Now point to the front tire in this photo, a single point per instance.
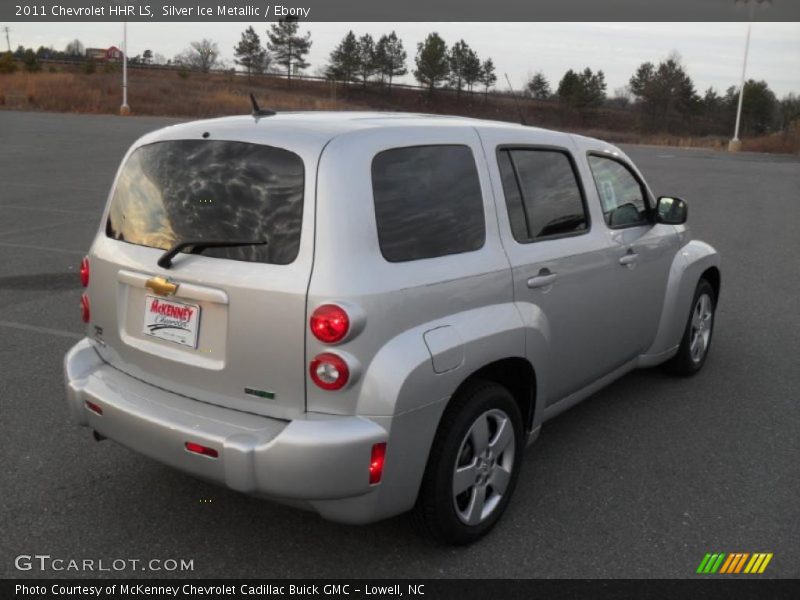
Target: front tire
pixel 697 335
pixel 473 465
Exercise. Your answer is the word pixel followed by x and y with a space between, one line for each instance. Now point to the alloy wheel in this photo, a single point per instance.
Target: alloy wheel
pixel 702 317
pixel 483 467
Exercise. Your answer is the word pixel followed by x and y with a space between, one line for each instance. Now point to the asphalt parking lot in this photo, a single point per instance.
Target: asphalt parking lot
pixel 641 480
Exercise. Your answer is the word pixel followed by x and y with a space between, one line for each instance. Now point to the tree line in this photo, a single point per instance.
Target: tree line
pixel 362 59
pixel 663 94
pixel 665 97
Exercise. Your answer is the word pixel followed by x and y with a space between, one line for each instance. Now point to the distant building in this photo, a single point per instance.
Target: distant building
pixel 111 54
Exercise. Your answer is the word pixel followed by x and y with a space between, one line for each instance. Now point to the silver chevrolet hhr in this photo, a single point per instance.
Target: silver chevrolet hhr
pixel 365 313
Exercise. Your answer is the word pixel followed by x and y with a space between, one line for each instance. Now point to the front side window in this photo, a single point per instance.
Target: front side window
pixel 542 193
pixel 622 197
pixel 176 191
pixel 428 202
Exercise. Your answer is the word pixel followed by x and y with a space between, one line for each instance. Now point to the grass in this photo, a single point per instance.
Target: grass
pixel 169 93
pixel 150 93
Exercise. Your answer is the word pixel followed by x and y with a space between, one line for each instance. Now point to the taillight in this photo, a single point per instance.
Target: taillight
pixel 85 312
pixel 376 463
pixel 329 371
pixel 85 271
pixel 329 323
pixel 95 408
pixel 200 449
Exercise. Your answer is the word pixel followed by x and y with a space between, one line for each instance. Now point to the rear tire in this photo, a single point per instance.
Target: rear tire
pixel 696 341
pixel 473 465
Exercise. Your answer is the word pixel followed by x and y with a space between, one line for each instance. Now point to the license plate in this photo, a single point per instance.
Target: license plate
pixel 172 321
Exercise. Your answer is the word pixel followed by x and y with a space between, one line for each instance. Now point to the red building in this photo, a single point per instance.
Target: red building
pixel 111 54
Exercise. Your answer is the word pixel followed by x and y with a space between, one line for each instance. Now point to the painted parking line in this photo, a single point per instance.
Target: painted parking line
pixel 38 329
pixel 47 186
pixel 46 227
pixel 45 209
pixel 45 248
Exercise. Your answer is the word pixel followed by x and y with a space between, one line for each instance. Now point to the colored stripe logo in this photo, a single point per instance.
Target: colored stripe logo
pixel 734 563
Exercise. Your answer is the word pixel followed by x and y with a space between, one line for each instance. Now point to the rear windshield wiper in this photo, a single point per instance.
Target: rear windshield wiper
pixel 197 246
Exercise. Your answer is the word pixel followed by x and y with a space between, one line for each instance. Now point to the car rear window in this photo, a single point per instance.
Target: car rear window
pixel 169 192
pixel 428 202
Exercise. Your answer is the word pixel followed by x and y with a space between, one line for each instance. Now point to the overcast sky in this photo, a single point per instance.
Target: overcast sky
pixel 711 52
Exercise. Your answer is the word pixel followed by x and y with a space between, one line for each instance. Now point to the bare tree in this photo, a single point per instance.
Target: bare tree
pixel 200 56
pixel 75 49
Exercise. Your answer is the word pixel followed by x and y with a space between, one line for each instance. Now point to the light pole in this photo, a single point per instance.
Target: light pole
pixel 736 144
pixel 124 109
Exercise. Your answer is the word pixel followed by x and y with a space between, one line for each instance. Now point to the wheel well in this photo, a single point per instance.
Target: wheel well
pixel 518 376
pixel 712 276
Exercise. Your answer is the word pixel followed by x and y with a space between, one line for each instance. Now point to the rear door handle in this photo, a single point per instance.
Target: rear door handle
pixel 542 280
pixel 629 259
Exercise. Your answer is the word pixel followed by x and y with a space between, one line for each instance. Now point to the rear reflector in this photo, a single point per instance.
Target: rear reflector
pixel 85 312
pixel 204 450
pixel 85 271
pixel 376 463
pixel 94 407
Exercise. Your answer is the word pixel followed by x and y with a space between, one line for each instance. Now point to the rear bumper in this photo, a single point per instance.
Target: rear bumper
pixel 318 461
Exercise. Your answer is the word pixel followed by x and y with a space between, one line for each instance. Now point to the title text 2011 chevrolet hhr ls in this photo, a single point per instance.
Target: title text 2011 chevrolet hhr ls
pixel 363 314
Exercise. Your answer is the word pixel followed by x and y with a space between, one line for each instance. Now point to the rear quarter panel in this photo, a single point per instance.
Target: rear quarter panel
pixel 470 292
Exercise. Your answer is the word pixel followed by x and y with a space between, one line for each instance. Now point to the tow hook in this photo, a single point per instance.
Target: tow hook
pixel 97 437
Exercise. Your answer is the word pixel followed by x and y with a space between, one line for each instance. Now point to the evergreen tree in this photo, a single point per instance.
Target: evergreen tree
pixel 594 88
pixel 367 62
pixel 431 61
pixel 288 48
pixel 249 53
pixel 539 87
pixel 344 60
pixel 664 92
pixel 789 110
pixel 472 69
pixel 582 90
pixel 7 63
pixel 569 88
pixel 457 61
pixel 391 57
pixel 759 106
pixel 712 103
pixel 488 76
pixel 30 61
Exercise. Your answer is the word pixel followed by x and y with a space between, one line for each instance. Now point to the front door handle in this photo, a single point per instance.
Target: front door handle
pixel 629 259
pixel 543 279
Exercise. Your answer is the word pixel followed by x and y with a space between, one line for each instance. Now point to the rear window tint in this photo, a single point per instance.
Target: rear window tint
pixel 428 202
pixel 174 191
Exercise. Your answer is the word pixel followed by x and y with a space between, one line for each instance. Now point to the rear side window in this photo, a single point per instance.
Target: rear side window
pixel 543 196
pixel 428 202
pixel 169 192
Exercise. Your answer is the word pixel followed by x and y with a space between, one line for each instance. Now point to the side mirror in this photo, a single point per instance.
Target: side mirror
pixel 671 211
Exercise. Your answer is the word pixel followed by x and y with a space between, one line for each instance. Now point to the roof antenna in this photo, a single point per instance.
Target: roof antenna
pixel 516 100
pixel 260 112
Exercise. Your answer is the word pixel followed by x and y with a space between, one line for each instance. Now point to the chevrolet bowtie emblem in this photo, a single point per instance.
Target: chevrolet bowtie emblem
pixel 161 286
